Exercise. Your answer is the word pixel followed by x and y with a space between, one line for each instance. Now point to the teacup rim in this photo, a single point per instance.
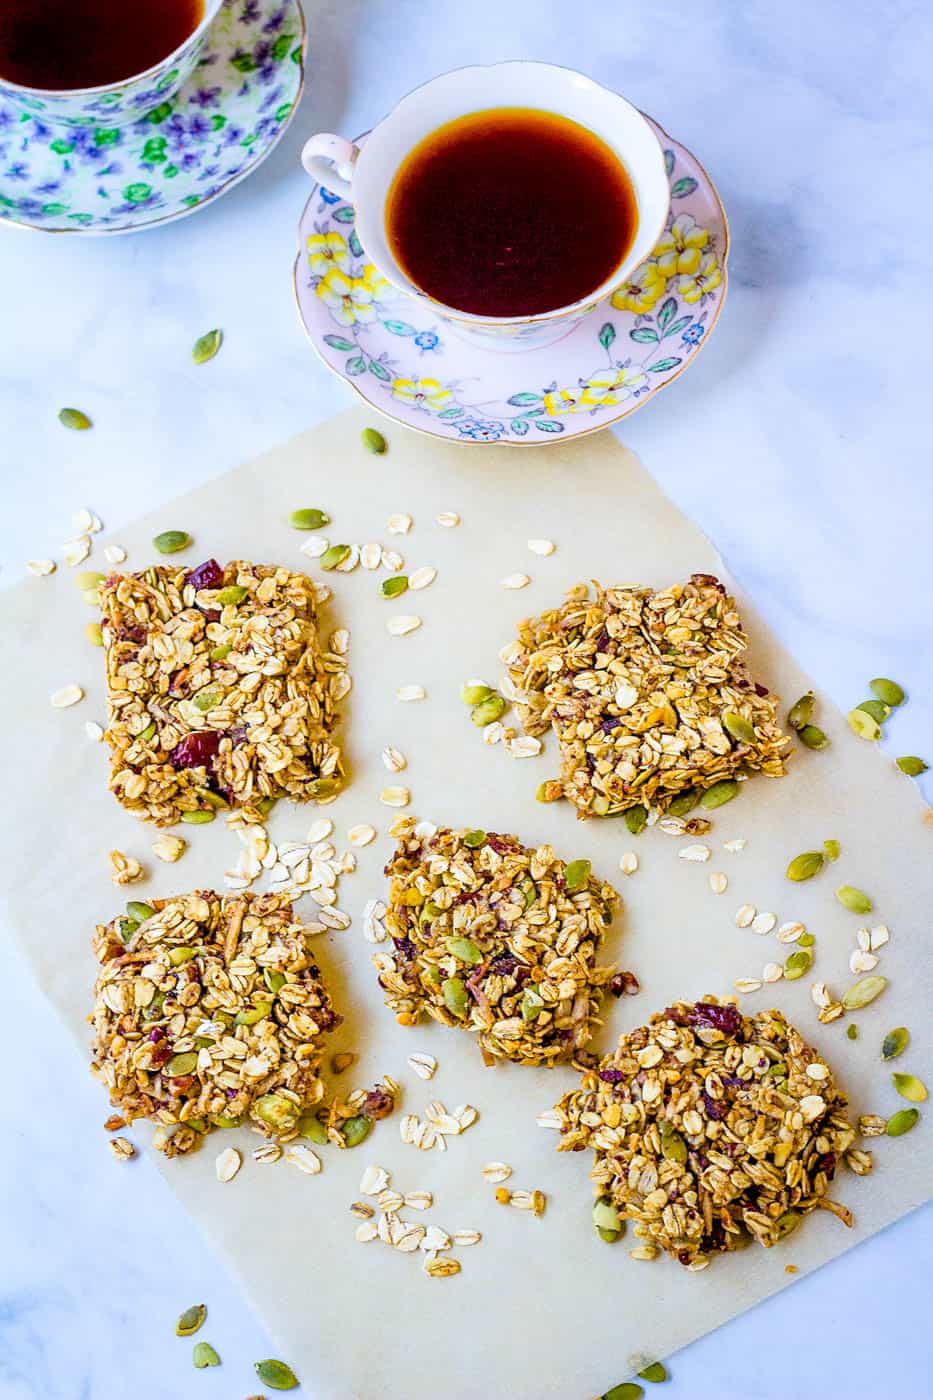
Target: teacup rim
pixel 7 86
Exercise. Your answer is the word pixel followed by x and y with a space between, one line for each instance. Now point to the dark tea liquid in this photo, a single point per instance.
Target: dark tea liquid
pixel 510 212
pixel 57 44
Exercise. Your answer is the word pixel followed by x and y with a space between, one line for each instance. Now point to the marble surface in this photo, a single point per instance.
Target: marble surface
pixel 799 441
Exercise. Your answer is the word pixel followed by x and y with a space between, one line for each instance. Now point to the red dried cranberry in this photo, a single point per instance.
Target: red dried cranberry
pixel 211 614
pixel 195 750
pixel 715 1109
pixel 157 1035
pixel 378 1103
pixel 611 1076
pixel 406 948
pixel 159 1056
pixel 706 581
pixel 131 632
pixel 624 983
pixel 727 1019
pixel 237 735
pixel 206 575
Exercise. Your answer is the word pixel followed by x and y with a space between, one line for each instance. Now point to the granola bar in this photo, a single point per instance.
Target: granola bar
pixel 208 1012
pixel 647 693
pixel 497 938
pixel 218 690
pixel 708 1127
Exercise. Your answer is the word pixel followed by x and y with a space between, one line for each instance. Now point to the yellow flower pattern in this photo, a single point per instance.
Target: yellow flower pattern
pixel 350 298
pixel 680 248
pixel 428 394
pixel 646 285
pixel 700 283
pixel 327 250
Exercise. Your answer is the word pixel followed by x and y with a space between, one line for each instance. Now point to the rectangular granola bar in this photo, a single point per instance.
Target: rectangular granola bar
pixel 647 693
pixel 219 693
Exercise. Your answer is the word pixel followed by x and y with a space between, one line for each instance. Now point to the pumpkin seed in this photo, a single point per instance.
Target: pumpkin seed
pixel 197 818
pixel 832 849
pixel 806 940
pixel 673 1147
pixel 488 711
pixel 656 1373
pixel 148 733
pixel 863 992
pixel 95 635
pixel 549 791
pixel 73 418
pixel 190 1320
pixel 910 1087
pixel 806 865
pixel 474 839
pixel 206 346
pixel 334 556
pixel 531 1004
pixel 606 1215
pixel 125 929
pixel 207 698
pixel 139 911
pixel 322 787
pixel 576 874
pixel 181 954
pixel 475 692
pixel 797 964
pixel 876 708
pixel 801 712
pixel 309 519
pixel 171 541
pixel 636 819
pixel 852 1032
pixel 310 1126
pixel 683 803
pixel 465 951
pixel 180 1064
pixel 855 900
pixel 204 1355
pixel 719 794
pixel 275 981
pixel 628 1390
pixel 355 1130
pixel 738 726
pixel 610 1236
pixel 88 580
pixel 530 891
pixel 787 1223
pixel 812 737
pixel 394 587
pixel 895 1043
pixel 222 652
pixel 887 691
pixel 276 1111
pixel 864 725
pixel 901 1122
pixel 455 996
pixel 912 766
pixel 373 440
pixel 256 1013
pixel 232 596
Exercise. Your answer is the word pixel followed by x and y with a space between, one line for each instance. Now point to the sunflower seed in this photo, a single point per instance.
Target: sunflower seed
pixel 227 1164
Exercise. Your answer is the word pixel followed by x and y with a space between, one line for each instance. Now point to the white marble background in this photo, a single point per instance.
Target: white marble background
pixel 800 441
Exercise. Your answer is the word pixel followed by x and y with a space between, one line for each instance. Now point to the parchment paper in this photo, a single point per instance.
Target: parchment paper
pixel 542 1309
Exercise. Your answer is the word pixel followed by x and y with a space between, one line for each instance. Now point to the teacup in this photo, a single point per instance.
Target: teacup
pixel 116 103
pixel 364 173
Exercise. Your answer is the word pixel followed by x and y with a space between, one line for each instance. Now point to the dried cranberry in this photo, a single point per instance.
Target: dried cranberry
pixel 237 735
pixel 604 642
pixel 706 581
pixel 827 1164
pixel 677 1014
pixel 505 964
pixel 609 724
pixel 727 1019
pixel 624 983
pixel 131 632
pixel 714 1108
pixel 159 1056
pixel 501 844
pixel 195 750
pixel 406 948
pixel 211 614
pixel 378 1103
pixel 612 1076
pixel 760 689
pixel 156 1035
pixel 206 575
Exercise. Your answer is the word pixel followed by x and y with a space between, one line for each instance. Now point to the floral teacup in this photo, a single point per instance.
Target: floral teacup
pixel 115 104
pixel 364 173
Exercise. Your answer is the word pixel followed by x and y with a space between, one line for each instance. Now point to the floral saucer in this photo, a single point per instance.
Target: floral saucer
pixel 221 124
pixel 416 370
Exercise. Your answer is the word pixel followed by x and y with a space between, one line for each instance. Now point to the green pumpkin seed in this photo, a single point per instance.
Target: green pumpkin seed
pixel 887 691
pixel 531 1004
pixel 180 1064
pixel 264 805
pixel 489 710
pixel 309 519
pixel 738 726
pixel 853 899
pixel 171 541
pixel 864 725
pixel 73 418
pixel 181 954
pixel 198 818
pixel 797 964
pixel 806 940
pixel 876 708
pixel 311 1127
pixel 432 975
pixel 606 1215
pixel 549 791
pixel 206 346
pixel 787 1223
pixel 276 1111
pixel 673 1147
pixel 125 930
pixel 232 596
pixel 321 787
pixel 800 713
pixel 475 692
pixel 87 581
pixel 901 1122
pixel 357 1129
pixel 863 992
pixel 806 865
pixel 895 1043
pixel 455 996
pixel 207 698
pixel 912 766
pixel 275 981
pixel 719 794
pixel 465 951
pixel 139 911
pixel 474 839
pixel 610 1236
pixel 683 803
pixel 852 1032
pixel 636 819
pixel 276 1375
pixel 94 634
pixel 530 891
pixel 373 440
pixel 656 1373
pixel 910 1087
pixel 224 1120
pixel 334 556
pixel 628 1390
pixel 213 799
pixel 204 1355
pixel 576 875
pixel 395 586
pixel 148 733
pixel 812 737
pixel 222 652
pixel 256 1013
pixel 832 849
pixel 190 1321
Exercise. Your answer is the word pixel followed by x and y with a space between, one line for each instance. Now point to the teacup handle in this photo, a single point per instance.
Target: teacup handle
pixel 329 160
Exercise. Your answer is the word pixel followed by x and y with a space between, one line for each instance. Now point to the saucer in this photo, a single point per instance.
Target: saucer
pixel 414 368
pixel 213 133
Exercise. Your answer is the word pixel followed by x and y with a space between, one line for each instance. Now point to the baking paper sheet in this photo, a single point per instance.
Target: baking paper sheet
pixel 542 1310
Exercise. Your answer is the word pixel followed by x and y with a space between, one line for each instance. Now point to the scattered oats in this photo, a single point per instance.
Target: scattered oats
pixel 738 844
pixel 522 1200
pixel 496 1171
pixel 418 1200
pixel 879 936
pixel 68 695
pixel 763 922
pixel 448 518
pixel 374 912
pixel 402 624
pixel 322 593
pixel 76 551
pixel 410 1238
pixel 304 1158
pixel 393 760
pixel 399 524
pixel 745 915
pixel 340 641
pixel 515 581
pixel 745 985
pixel 366 1231
pixel 86 522
pixel 718 882
pixel 408 1127
pixel 644 1252
pixel 41 567
pixel 550 1118
pixel 315 546
pixel 269 1152
pixel 392 560
pixel 772 972
pixel 124 869
pixel 526 746
pixel 625 696
pixel 872 1125
pixel 542 547
pixel 671 826
pixel 817 1071
pixel 425 1066
pixel 227 1164
pixel 395 796
pixel 371 556
pixel 697 853
pixel 169 848
pixel 319 830
pixel 435 1238
pixel 389 1200
pixel 628 863
pixel 863 939
pixel 425 830
pixel 819 994
pixel 374 1180
pixel 466 1115
pixel 493 733
pixel 361 1211
pixel 442 1267
pixel 361 835
pixel 346 566
pixel 122 1148
pixel 332 918
pixel 114 553
pixel 789 933
pixel 93 730
pixel 863 962
pixel 832 1012
pixel 463 1238
pixel 422 578
pixel 407 693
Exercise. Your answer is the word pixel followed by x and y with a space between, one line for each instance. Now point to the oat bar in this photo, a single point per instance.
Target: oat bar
pixel 647 693
pixel 709 1127
pixel 497 938
pixel 218 690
